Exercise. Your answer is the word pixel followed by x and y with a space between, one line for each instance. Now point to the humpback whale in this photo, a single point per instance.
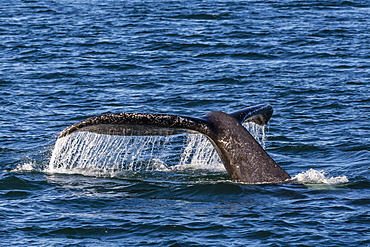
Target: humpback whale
pixel 243 157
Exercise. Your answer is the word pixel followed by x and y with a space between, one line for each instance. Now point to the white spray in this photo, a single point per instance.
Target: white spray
pixel 95 154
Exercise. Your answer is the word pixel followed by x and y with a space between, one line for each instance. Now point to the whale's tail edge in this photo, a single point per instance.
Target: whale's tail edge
pixel 259 114
pixel 244 159
pixel 161 124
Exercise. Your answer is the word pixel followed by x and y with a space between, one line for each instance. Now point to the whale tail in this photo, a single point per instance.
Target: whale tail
pixel 244 159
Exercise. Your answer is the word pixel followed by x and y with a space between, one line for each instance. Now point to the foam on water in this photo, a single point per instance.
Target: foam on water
pixel 313 176
pixel 26 167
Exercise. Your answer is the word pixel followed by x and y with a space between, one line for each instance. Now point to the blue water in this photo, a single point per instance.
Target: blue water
pixel 64 61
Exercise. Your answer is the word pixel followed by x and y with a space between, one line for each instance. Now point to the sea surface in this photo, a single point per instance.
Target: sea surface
pixel 63 61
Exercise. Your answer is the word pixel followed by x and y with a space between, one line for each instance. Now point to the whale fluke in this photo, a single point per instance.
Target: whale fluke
pixel 243 157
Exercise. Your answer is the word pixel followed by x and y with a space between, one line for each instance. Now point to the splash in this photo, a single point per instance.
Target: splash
pixel 317 177
pixel 95 154
pixel 108 155
pixel 25 167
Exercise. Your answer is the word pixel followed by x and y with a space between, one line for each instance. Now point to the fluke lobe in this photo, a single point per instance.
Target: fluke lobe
pixel 243 157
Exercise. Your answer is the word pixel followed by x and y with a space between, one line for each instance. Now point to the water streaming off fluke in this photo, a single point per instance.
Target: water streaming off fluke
pixel 110 155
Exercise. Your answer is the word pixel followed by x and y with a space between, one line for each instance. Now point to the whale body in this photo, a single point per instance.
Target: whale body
pixel 243 157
